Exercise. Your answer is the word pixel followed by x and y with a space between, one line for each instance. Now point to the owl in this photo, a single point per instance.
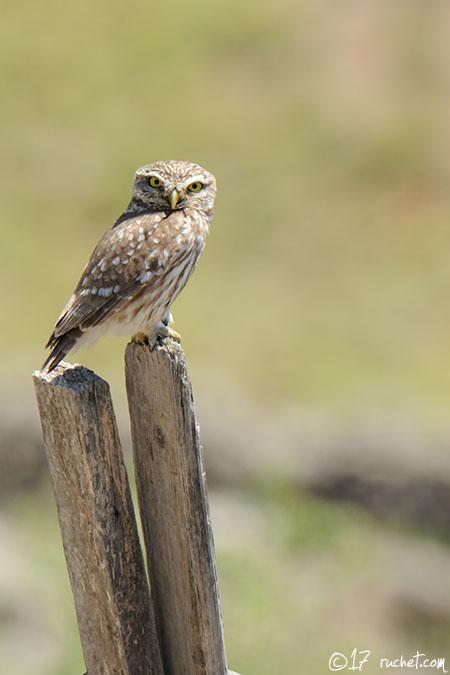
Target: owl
pixel 142 262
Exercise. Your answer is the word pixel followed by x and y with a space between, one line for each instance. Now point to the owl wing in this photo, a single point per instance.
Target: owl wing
pixel 130 257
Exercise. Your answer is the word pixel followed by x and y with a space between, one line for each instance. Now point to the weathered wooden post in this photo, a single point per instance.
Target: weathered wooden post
pixel 98 526
pixel 174 510
pixel 125 631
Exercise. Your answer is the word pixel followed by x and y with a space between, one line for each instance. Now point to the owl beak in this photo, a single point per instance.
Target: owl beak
pixel 174 198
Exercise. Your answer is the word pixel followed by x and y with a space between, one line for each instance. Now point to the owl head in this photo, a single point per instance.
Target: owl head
pixel 172 185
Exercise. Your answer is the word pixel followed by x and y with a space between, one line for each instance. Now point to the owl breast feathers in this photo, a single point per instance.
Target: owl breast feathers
pixel 142 262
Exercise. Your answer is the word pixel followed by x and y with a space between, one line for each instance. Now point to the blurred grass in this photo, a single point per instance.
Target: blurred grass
pixel 326 129
pixel 325 278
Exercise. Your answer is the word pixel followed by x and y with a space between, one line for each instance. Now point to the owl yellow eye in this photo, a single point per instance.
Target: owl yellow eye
pixel 195 187
pixel 155 181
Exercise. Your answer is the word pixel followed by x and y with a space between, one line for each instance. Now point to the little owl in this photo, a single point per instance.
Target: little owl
pixel 142 262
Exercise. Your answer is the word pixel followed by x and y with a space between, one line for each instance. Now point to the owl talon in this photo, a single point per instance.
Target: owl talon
pixel 163 331
pixel 140 339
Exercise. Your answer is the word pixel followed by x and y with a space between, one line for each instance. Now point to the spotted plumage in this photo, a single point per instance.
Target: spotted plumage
pixel 142 262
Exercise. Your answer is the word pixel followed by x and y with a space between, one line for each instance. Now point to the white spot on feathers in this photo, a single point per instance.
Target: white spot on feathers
pixel 146 276
pixel 105 292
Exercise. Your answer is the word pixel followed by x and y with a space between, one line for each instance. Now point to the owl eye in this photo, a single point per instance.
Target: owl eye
pixel 195 187
pixel 155 182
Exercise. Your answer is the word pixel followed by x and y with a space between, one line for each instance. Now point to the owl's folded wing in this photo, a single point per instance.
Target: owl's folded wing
pixel 127 260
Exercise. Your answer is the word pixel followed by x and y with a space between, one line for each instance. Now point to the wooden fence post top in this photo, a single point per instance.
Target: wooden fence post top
pixel 168 353
pixel 74 376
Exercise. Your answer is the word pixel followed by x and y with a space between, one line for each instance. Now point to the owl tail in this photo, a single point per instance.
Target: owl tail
pixel 60 347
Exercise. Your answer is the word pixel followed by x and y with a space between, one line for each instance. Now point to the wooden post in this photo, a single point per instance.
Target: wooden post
pixel 174 510
pixel 97 523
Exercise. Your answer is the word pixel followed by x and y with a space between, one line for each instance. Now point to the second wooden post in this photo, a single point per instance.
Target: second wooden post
pixel 174 510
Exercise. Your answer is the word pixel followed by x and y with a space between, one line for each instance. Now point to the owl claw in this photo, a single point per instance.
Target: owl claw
pixel 162 331
pixel 140 339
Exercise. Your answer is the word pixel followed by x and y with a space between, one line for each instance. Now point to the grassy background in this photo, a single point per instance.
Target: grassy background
pixel 323 287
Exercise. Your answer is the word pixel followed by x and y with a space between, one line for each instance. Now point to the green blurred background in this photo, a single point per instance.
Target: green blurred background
pixel 316 326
